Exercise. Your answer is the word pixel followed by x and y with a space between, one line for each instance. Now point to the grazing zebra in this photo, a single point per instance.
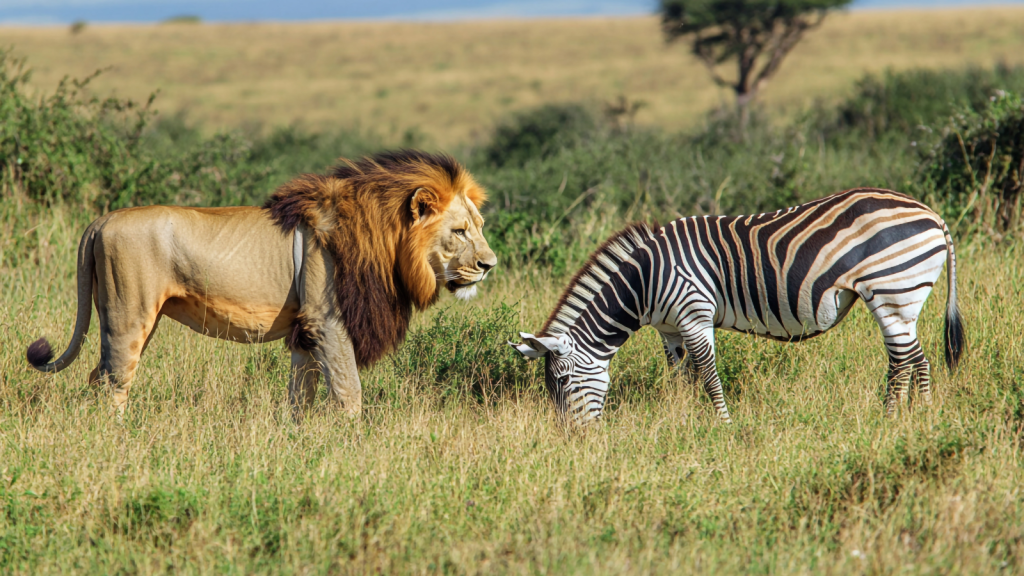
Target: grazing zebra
pixel 787 275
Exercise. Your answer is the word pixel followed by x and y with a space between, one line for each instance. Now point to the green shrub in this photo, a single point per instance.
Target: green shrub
pixel 293 150
pixel 465 353
pixel 108 154
pixel 538 133
pixel 76 148
pixel 67 145
pixel 977 169
pixel 909 100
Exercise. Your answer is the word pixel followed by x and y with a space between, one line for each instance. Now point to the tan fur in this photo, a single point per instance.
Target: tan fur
pixel 380 236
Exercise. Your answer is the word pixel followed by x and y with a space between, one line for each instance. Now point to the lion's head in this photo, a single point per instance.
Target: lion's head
pixel 444 244
pixel 400 226
pixel 458 252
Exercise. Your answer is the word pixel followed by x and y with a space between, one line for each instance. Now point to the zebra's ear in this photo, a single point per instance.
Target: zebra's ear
pixel 542 345
pixel 527 351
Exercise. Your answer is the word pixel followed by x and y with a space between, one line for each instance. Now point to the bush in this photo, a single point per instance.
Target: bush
pixel 538 133
pixel 292 150
pixel 466 353
pixel 76 148
pixel 977 169
pixel 67 145
pixel 109 154
pixel 906 101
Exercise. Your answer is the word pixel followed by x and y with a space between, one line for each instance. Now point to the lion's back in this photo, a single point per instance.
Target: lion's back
pixel 235 252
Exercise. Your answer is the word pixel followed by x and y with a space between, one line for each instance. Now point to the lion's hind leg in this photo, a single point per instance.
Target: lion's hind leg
pixel 120 360
pixel 94 376
pixel 123 338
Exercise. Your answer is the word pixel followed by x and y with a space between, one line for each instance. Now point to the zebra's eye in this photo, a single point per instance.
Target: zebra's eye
pixel 563 381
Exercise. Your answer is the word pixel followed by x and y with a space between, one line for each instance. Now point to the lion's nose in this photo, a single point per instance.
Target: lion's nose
pixel 486 260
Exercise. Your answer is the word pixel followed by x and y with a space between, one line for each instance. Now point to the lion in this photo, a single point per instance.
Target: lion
pixel 333 263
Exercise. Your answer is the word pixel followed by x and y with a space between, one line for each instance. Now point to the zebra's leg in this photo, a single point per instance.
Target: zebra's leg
pixel 924 382
pixel 896 389
pixel 700 345
pixel 896 313
pixel 675 351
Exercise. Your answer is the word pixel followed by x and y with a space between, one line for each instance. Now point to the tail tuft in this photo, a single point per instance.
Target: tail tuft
pixel 954 337
pixel 39 353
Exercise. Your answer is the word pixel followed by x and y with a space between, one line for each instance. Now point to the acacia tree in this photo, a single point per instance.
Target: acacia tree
pixel 757 33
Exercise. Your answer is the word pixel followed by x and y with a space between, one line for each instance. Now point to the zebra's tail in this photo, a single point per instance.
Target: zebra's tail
pixel 954 321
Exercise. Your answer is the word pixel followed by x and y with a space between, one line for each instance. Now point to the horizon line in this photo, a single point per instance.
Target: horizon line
pixel 455 17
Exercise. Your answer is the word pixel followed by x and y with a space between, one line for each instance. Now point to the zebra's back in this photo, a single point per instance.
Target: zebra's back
pixel 794 273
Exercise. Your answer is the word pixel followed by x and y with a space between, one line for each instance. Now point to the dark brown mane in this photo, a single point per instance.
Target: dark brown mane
pixel 360 214
pixel 602 261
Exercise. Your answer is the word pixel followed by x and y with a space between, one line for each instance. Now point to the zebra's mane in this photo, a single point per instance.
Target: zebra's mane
pixel 604 262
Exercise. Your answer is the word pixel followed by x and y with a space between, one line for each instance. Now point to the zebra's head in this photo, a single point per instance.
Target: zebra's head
pixel 576 381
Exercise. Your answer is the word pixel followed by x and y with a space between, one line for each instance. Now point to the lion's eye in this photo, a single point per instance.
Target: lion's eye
pixel 459 232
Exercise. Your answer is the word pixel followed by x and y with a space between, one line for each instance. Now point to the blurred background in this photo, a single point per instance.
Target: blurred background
pixel 449 69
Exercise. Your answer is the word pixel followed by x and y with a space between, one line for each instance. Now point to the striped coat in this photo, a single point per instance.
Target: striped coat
pixel 786 275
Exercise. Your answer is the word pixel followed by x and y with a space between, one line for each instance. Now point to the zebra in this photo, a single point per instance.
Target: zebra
pixel 787 275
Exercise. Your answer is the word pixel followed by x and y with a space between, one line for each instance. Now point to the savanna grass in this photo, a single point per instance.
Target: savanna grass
pixel 208 473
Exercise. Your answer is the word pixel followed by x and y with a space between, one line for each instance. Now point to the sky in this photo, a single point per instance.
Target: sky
pixel 67 11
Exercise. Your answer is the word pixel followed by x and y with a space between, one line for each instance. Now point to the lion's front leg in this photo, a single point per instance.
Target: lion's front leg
pixel 303 384
pixel 337 360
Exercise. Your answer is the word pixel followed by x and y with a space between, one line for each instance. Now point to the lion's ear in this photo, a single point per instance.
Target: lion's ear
pixel 422 204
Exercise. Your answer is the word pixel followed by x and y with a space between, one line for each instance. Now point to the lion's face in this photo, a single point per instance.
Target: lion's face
pixel 459 253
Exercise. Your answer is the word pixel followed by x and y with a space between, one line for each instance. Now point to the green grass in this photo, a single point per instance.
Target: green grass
pixel 447 472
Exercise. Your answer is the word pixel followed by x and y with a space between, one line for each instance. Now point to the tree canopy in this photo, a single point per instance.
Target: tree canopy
pixel 757 33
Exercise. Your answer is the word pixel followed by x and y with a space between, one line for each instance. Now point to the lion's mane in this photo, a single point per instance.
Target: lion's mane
pixel 360 214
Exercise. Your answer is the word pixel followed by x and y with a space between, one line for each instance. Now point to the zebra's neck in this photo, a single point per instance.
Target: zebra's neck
pixel 604 303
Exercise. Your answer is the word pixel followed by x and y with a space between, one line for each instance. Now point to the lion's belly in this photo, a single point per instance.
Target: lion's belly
pixel 223 318
pixel 234 281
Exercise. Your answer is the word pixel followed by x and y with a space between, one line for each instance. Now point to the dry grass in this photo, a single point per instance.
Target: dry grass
pixel 454 80
pixel 207 473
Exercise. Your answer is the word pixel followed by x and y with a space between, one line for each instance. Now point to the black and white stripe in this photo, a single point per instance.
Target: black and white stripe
pixel 787 275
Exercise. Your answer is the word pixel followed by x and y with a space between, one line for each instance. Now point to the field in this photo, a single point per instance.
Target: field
pixel 208 473
pixel 457 464
pixel 453 81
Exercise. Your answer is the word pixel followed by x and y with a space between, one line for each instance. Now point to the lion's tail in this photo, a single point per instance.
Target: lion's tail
pixel 40 353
